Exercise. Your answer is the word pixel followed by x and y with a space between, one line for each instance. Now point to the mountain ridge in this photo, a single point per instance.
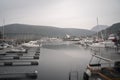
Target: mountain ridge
pixel 49 31
pixel 113 29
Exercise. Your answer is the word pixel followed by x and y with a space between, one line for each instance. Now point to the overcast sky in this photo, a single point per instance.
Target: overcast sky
pixel 60 13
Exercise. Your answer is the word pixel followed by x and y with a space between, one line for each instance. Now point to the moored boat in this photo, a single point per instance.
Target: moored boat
pixel 17 50
pixel 102 71
pixel 32 44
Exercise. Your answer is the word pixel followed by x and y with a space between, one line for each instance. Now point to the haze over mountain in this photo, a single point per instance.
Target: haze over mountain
pixel 98 28
pixel 49 31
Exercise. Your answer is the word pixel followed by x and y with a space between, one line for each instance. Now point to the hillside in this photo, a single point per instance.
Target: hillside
pixel 98 28
pixel 49 31
pixel 113 29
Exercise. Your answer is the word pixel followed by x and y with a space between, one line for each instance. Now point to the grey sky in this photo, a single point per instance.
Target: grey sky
pixel 60 13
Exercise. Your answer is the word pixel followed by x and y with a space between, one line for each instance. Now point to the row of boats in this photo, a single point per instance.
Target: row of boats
pixel 111 42
pixel 19 56
pixel 21 48
pixel 99 68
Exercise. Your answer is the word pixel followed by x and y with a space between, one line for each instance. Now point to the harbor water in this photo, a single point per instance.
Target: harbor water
pixel 58 59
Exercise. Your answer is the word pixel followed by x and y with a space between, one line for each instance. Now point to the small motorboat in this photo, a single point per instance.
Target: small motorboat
pixel 32 44
pixel 102 71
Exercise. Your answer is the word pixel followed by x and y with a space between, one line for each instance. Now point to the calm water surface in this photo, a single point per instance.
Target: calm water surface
pixel 57 60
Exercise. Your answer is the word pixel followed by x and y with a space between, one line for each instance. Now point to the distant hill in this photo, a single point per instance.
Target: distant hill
pixel 113 29
pixel 49 31
pixel 98 28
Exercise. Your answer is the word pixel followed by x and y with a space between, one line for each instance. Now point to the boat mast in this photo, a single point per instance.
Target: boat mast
pixel 98 28
pixel 97 21
pixel 101 34
pixel 3 29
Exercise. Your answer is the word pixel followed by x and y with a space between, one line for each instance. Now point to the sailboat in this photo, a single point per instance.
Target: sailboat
pixel 110 43
pixel 101 43
pixel 3 44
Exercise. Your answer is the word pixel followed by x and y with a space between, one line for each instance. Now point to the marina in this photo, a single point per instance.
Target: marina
pixel 59 40
pixel 54 60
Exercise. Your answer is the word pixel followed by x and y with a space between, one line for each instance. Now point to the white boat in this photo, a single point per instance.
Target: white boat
pixel 17 50
pixel 104 44
pixel 99 44
pixel 5 45
pixel 110 43
pixel 32 44
pixel 86 42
